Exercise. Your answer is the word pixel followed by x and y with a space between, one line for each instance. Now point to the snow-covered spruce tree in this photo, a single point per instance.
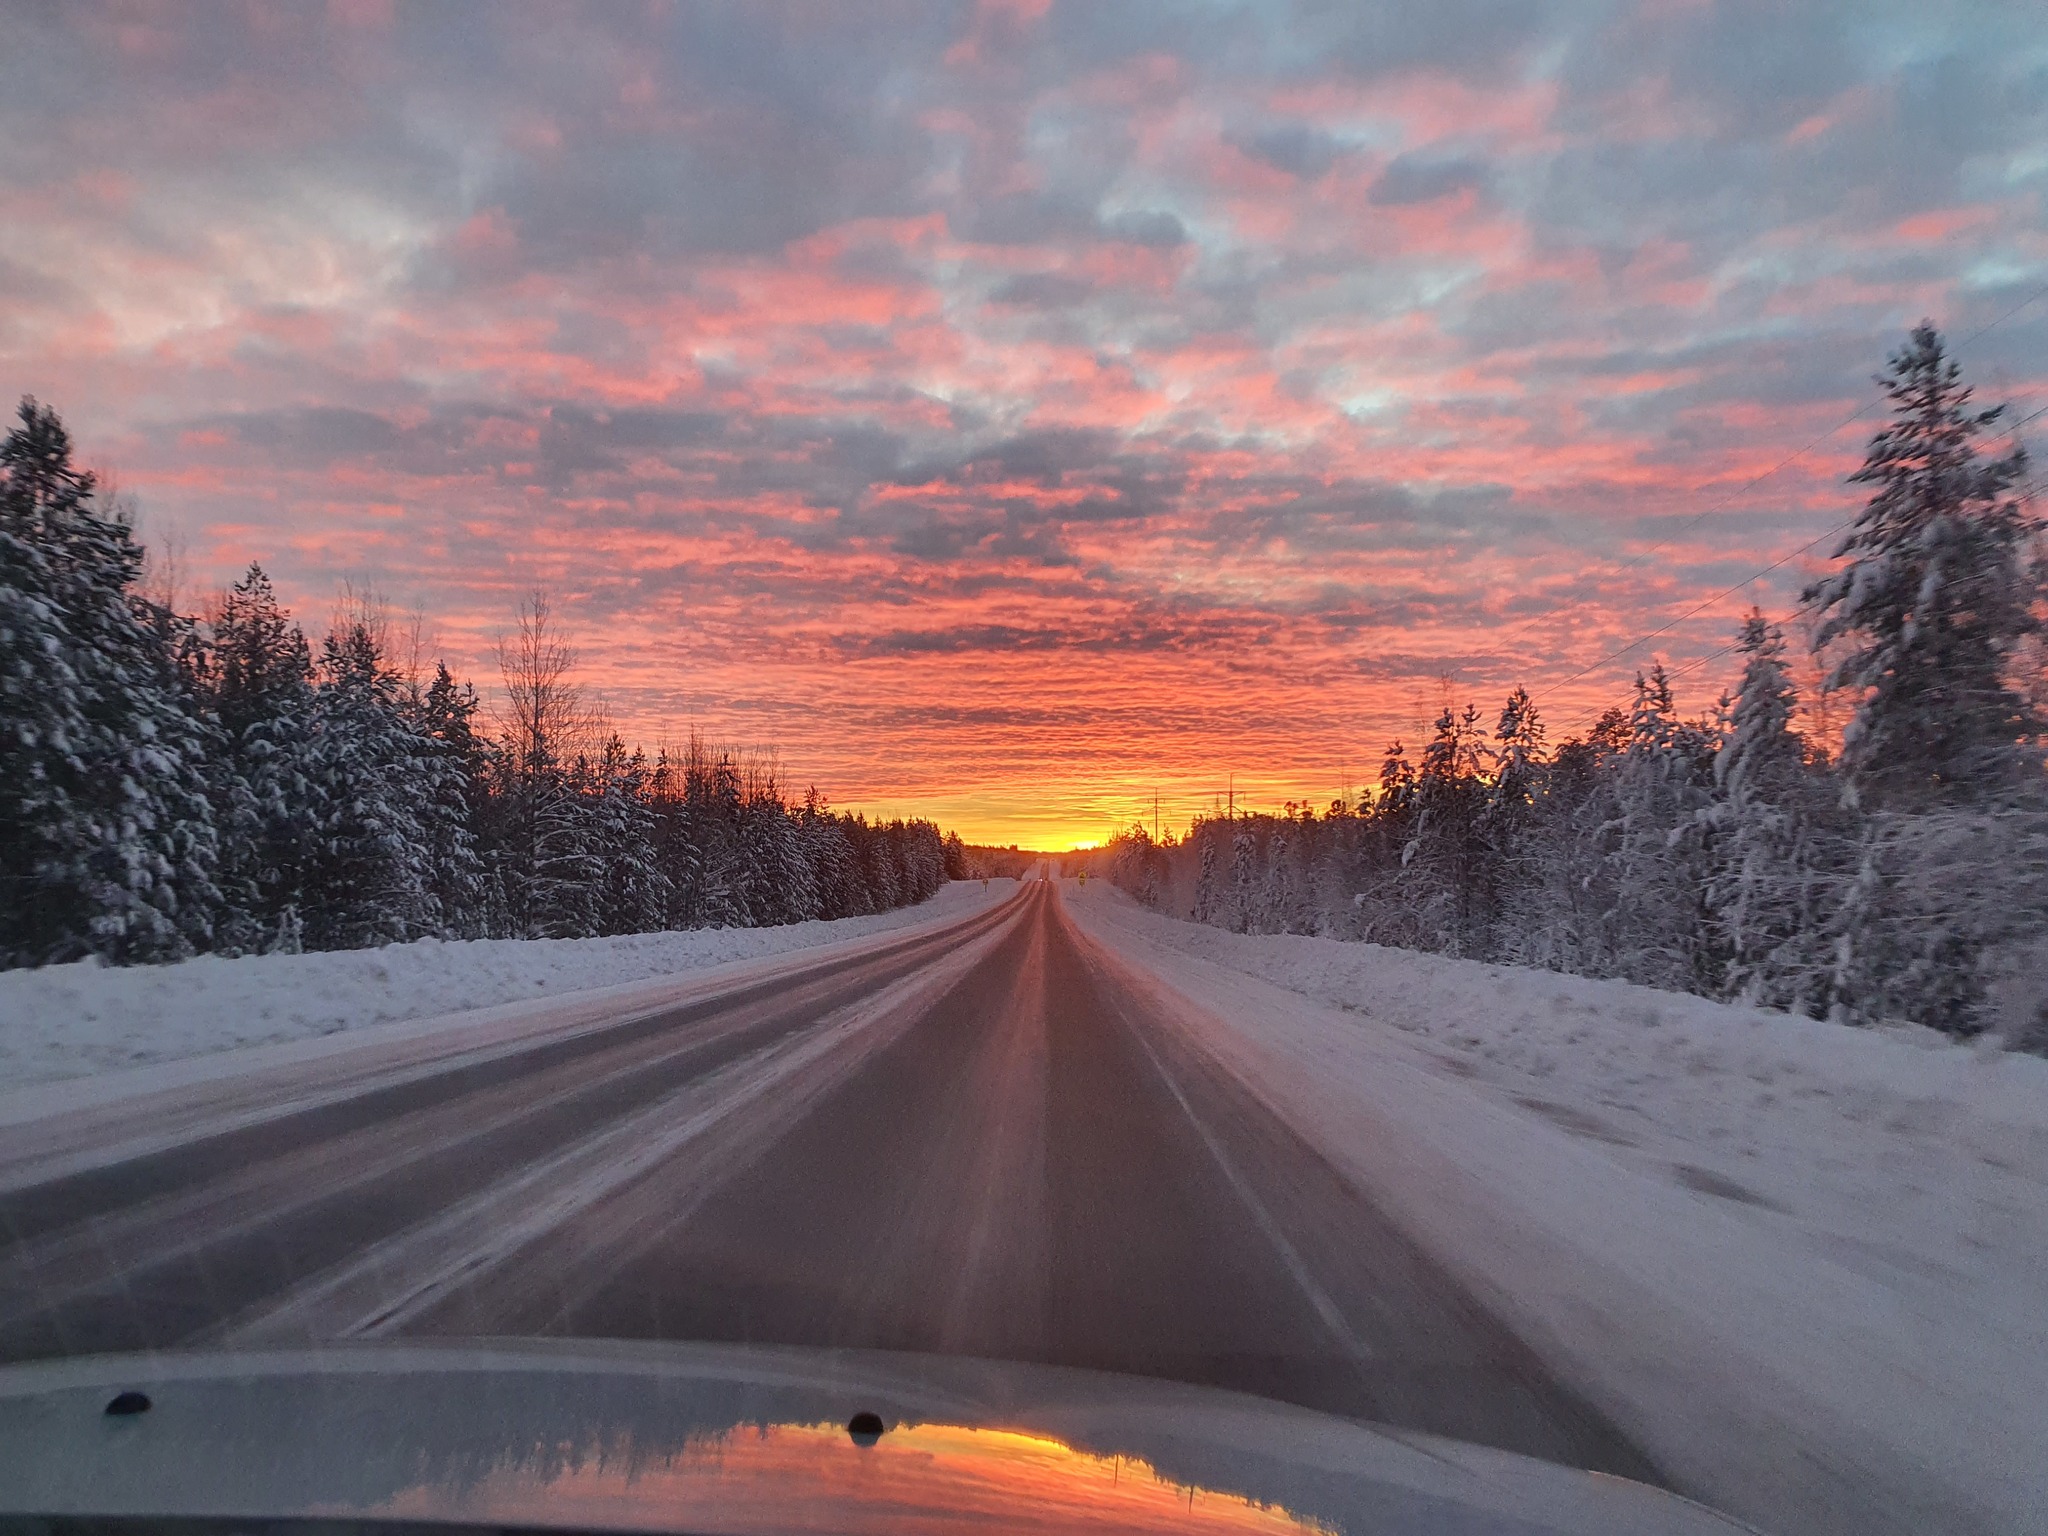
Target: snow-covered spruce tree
pixel 455 818
pixel 566 891
pixel 1559 914
pixel 1277 905
pixel 924 858
pixel 1208 899
pixel 1656 929
pixel 634 892
pixel 830 856
pixel 675 851
pixel 1940 903
pixel 1509 818
pixel 1244 860
pixel 717 806
pixel 259 684
pixel 1518 756
pixel 1444 871
pixel 1382 910
pixel 1329 862
pixel 876 877
pixel 1780 850
pixel 1935 598
pixel 777 880
pixel 371 778
pixel 1137 866
pixel 107 842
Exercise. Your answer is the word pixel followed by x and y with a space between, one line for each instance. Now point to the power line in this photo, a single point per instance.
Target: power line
pixel 1698 608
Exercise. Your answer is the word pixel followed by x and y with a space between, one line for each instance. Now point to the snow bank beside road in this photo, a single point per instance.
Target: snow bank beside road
pixel 1807 1266
pixel 65 1021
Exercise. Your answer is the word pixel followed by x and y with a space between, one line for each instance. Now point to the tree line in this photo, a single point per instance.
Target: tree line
pixel 174 784
pixel 1898 873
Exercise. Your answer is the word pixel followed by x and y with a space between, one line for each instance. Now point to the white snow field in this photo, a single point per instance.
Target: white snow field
pixel 67 1021
pixel 1805 1265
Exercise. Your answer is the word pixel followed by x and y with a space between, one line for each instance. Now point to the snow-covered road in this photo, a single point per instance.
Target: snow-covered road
pixel 1517 1208
pixel 977 1136
pixel 1805 1265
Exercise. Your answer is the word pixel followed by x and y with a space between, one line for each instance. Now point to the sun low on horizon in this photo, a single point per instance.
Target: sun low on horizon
pixel 1041 418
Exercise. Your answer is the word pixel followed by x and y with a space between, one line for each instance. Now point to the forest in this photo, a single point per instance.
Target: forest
pixel 1895 869
pixel 175 784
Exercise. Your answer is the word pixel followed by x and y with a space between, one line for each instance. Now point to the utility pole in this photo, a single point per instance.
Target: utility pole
pixel 1155 813
pixel 1233 797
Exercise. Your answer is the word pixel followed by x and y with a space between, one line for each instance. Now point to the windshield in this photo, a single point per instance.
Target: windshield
pixel 1339 703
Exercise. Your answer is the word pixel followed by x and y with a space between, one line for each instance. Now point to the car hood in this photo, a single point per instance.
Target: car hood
pixel 734 1439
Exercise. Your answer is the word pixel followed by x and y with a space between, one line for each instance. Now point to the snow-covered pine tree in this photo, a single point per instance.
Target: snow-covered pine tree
pixel 830 856
pixel 675 850
pixel 796 877
pixel 1290 875
pixel 565 889
pixel 1518 759
pixel 634 895
pixel 1136 865
pixel 454 810
pixel 1935 598
pixel 372 777
pixel 924 859
pixel 1208 900
pixel 1558 914
pixel 107 840
pixel 884 868
pixel 775 880
pixel 1937 603
pixel 1244 862
pixel 717 806
pixel 860 898
pixel 259 684
pixel 1509 819
pixel 1380 904
pixel 1655 929
pixel 1780 851
pixel 1444 873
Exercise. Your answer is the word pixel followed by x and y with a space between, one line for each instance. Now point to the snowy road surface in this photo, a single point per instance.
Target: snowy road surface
pixel 983 1136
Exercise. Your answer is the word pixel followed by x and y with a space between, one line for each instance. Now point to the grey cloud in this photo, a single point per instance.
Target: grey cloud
pixel 1026 219
pixel 1001 535
pixel 1046 456
pixel 1754 67
pixel 1039 217
pixel 1478 39
pixel 318 435
pixel 1422 179
pixel 1143 227
pixel 1296 148
pixel 1042 290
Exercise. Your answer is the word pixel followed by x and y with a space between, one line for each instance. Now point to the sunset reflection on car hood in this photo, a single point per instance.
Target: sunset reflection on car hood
pixel 738 1440
pixel 802 1477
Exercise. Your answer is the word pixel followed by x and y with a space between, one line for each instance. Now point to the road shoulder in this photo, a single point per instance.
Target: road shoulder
pixel 1764 1376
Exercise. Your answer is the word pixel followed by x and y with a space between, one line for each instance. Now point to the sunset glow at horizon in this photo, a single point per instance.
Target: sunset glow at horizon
pixel 1021 414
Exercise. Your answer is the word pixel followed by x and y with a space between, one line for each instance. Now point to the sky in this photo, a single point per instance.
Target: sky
pixel 1012 412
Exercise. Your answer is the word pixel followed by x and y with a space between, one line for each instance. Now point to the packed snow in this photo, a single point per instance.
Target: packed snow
pixel 1806 1263
pixel 65 1021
